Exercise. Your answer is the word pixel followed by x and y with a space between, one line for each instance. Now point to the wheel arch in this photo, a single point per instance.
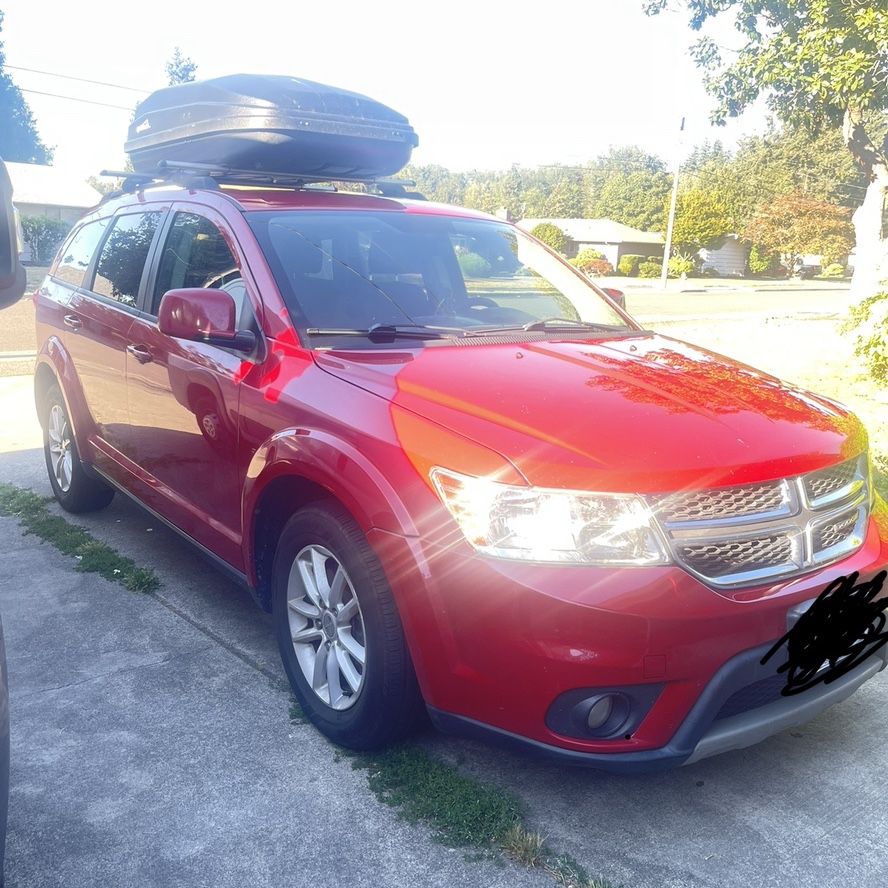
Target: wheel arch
pixel 298 467
pixel 54 367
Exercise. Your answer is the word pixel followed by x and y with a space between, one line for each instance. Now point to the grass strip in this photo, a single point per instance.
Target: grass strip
pixel 461 811
pixel 92 555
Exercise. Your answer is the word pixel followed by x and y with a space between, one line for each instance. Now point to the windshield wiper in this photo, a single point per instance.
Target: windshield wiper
pixel 382 332
pixel 543 324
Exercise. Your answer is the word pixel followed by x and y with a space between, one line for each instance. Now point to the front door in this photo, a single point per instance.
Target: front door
pixel 183 396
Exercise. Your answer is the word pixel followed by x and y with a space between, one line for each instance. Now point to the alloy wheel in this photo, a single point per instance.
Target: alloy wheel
pixel 327 627
pixel 62 458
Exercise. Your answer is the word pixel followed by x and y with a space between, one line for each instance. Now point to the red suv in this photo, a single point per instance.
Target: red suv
pixel 462 479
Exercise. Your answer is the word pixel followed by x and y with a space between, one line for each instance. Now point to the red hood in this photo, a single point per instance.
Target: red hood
pixel 644 413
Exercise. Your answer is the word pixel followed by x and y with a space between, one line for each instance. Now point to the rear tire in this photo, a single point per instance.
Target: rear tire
pixel 74 488
pixel 350 668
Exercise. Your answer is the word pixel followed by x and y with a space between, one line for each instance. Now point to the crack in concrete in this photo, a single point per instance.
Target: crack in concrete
pixel 120 671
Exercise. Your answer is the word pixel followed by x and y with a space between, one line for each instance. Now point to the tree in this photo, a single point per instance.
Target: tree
pixel 180 69
pixel 438 183
pixel 794 225
pixel 551 235
pixel 564 200
pixel 701 217
pixel 627 185
pixel 44 236
pixel 19 139
pixel 820 63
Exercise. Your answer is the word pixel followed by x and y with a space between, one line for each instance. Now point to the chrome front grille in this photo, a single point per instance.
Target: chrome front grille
pixel 736 536
pixel 750 500
pixel 823 484
pixel 726 557
pixel 836 532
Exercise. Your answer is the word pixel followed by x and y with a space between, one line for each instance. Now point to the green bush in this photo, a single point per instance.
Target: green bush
pixel 473 265
pixel 628 264
pixel 870 320
pixel 44 236
pixel 681 265
pixel 551 235
pixel 836 270
pixel 588 255
pixel 762 261
pixel 650 268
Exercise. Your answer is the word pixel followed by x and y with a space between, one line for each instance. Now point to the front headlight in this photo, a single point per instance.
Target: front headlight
pixel 539 524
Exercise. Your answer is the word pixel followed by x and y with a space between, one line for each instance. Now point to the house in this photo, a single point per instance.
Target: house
pixel 50 192
pixel 728 256
pixel 612 239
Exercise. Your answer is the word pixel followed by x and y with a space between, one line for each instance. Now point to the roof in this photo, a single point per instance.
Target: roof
pixel 306 198
pixel 260 198
pixel 50 186
pixel 597 231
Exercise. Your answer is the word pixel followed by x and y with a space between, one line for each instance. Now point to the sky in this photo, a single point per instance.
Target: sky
pixel 485 85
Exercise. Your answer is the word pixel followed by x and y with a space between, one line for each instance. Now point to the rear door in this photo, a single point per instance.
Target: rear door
pixel 183 396
pixel 96 324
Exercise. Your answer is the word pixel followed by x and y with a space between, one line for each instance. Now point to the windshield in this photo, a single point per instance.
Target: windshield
pixel 353 270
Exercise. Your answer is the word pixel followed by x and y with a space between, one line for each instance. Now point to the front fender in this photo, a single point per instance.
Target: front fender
pixel 329 462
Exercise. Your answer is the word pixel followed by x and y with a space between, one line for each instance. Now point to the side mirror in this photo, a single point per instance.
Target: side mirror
pixel 203 316
pixel 617 295
pixel 12 274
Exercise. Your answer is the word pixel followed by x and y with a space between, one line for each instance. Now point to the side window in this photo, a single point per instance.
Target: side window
pixel 196 254
pixel 78 252
pixel 122 260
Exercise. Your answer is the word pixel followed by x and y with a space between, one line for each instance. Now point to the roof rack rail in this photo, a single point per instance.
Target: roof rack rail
pixel 208 175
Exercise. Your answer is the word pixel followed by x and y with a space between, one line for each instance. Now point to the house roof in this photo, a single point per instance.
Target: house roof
pixel 50 186
pixel 597 231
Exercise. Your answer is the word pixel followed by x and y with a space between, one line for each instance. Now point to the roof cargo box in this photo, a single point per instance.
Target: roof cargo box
pixel 270 123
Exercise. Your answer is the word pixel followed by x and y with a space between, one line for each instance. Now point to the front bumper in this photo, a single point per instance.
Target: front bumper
pixel 702 734
pixel 494 643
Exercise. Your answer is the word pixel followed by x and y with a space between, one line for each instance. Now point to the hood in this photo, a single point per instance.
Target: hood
pixel 642 413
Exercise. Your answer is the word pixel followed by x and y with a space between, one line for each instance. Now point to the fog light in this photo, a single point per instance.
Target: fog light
pixel 599 713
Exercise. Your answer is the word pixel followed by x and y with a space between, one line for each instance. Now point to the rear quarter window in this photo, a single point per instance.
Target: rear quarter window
pixel 77 253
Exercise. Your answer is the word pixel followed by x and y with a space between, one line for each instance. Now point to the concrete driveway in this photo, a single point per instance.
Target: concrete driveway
pixel 151 745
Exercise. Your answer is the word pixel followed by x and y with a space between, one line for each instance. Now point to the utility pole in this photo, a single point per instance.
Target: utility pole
pixel 667 250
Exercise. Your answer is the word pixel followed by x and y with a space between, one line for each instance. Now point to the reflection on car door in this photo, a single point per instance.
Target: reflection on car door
pixel 183 396
pixel 96 321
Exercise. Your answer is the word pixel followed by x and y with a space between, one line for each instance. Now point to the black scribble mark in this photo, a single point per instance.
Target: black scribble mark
pixel 839 631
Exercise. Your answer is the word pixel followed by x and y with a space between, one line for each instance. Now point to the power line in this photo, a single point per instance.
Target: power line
pixel 37 92
pixel 78 79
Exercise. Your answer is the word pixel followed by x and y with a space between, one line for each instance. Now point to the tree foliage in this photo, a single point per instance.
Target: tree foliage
pixel 180 69
pixel 794 226
pixel 814 60
pixel 44 236
pixel 818 63
pixel 19 139
pixel 551 235
pixel 629 186
pixel 701 217
pixel 870 320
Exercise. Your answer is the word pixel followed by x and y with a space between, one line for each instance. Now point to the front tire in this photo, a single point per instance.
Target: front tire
pixel 75 489
pixel 339 633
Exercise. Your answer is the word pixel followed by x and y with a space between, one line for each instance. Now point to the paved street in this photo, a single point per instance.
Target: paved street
pixel 151 743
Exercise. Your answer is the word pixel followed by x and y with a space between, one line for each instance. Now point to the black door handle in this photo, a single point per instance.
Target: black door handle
pixel 73 322
pixel 140 353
